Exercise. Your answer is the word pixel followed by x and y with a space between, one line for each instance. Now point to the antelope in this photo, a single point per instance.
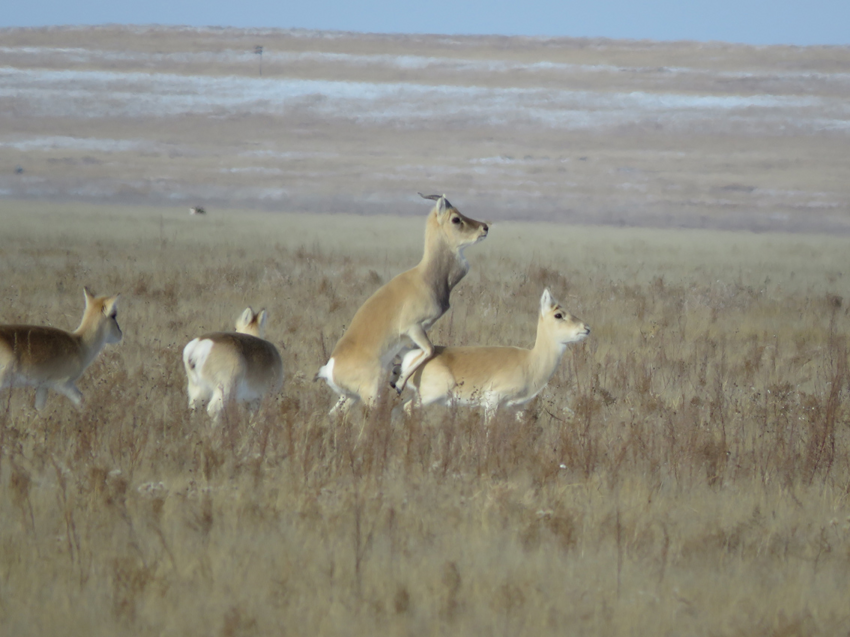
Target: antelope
pixel 494 377
pixel 197 210
pixel 240 366
pixel 50 358
pixel 399 313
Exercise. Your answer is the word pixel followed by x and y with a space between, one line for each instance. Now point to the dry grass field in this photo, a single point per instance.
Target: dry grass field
pixel 687 470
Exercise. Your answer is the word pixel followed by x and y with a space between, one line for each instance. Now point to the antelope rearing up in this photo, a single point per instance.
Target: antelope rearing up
pixel 496 376
pixel 241 366
pixel 50 358
pixel 400 313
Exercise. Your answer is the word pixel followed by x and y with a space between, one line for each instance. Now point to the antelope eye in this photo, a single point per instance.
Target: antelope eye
pixel 455 219
pixel 559 316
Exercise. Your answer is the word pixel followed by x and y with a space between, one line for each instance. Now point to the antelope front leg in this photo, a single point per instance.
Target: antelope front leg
pixel 40 398
pixel 68 389
pixel 426 350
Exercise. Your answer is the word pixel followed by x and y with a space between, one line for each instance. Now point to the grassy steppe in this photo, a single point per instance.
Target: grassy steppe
pixel 685 472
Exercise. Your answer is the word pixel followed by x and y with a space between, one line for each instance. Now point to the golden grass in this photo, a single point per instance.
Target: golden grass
pixel 686 471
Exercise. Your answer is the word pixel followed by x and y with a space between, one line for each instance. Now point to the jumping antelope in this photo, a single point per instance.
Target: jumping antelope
pixel 400 313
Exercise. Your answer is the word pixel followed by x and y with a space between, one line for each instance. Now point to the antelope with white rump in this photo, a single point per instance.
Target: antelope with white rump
pixel 233 366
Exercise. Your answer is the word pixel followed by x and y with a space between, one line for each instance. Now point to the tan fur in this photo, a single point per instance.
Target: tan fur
pixel 399 313
pixel 50 358
pixel 498 376
pixel 240 366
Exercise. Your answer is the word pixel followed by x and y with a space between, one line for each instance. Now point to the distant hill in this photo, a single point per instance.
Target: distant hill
pixel 572 130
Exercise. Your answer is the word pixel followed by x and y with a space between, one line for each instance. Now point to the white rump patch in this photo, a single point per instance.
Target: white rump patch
pixel 327 372
pixel 195 355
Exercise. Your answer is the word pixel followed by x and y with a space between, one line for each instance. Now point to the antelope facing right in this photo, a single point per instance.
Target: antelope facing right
pixel 225 366
pixel 50 358
pixel 493 377
pixel 399 314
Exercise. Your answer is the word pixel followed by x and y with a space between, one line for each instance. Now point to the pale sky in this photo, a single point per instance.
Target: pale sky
pixel 800 22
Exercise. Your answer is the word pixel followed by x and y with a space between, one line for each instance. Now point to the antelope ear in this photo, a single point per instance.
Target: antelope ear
pixel 546 301
pixel 246 318
pixel 443 205
pixel 112 302
pixel 87 295
pixel 262 317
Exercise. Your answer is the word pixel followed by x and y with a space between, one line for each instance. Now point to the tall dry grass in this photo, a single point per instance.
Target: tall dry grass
pixel 685 472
